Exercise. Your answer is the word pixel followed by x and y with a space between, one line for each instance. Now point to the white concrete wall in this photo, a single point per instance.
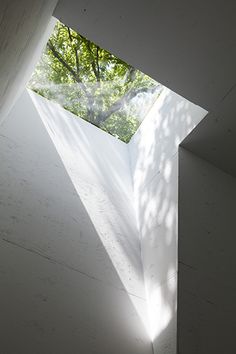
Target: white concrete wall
pixel 153 155
pixel 207 262
pixel 70 273
pixel 24 28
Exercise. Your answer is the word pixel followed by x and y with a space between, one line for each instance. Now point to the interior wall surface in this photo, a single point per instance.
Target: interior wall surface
pixel 207 263
pixel 24 29
pixel 214 139
pixel 154 165
pixel 71 276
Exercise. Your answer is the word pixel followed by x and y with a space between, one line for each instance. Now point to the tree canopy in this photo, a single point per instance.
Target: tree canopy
pixel 93 83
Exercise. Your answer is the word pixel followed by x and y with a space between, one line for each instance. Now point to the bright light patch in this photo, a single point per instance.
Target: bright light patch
pixel 99 207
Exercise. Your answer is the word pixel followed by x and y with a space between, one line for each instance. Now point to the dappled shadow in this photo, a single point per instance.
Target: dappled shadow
pixel 99 169
pixel 154 162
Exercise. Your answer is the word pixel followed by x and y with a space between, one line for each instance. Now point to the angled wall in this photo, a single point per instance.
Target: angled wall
pixel 194 55
pixel 69 237
pixel 154 165
pixel 70 275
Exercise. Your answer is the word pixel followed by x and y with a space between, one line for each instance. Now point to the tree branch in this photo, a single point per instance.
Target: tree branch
pixel 92 61
pixel 116 106
pixel 72 72
pixel 75 51
pixel 97 62
pixel 62 61
pixel 132 74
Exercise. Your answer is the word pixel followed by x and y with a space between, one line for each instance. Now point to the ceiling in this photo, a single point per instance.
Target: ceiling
pixel 189 46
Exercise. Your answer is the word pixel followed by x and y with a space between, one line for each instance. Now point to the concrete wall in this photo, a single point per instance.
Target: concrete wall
pixel 193 55
pixel 153 154
pixel 24 28
pixel 207 263
pixel 214 139
pixel 70 274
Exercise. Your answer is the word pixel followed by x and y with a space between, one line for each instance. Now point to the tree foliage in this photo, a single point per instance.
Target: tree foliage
pixel 92 83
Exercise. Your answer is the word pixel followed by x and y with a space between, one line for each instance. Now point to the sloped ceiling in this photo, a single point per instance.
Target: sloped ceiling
pixel 187 45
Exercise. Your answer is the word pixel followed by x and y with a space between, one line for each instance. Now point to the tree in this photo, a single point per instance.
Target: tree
pixel 91 82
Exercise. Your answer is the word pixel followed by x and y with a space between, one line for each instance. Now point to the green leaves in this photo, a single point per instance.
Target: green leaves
pixel 92 83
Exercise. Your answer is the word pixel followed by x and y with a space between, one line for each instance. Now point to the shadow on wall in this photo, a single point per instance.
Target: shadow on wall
pixel 207 263
pixel 87 229
pixel 154 162
pixel 59 286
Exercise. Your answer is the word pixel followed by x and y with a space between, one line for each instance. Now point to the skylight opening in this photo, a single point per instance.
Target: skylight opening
pixel 93 84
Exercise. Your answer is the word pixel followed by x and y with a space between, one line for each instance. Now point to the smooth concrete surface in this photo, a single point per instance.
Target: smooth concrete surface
pixel 154 165
pixel 214 139
pixel 207 263
pixel 190 47
pixel 169 121
pixel 70 273
pixel 24 29
pixel 187 45
pixel 98 165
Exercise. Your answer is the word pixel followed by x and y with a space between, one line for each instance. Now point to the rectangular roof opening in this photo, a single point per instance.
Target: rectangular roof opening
pixel 93 84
